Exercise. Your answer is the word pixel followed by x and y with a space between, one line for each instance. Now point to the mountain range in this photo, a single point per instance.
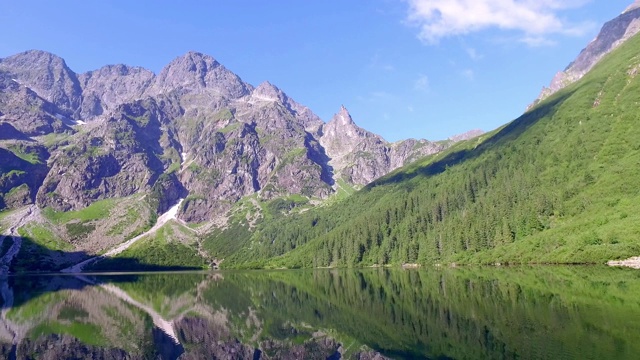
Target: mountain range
pixel 89 161
pixel 195 132
pixel 112 132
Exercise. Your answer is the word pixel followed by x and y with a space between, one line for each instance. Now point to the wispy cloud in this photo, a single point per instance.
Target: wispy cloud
pixel 473 54
pixel 421 83
pixel 535 19
pixel 376 63
pixel 468 74
pixel 537 41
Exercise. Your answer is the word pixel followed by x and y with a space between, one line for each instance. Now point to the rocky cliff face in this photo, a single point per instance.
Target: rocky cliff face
pixel 110 86
pixel 194 131
pixel 612 34
pixel 359 156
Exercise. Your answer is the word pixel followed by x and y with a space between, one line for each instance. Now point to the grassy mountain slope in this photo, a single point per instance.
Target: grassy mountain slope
pixel 557 185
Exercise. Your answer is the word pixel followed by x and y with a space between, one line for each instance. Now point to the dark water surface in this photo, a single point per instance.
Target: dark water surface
pixel 464 313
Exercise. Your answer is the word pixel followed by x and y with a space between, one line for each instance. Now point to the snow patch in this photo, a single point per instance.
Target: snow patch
pixel 69 121
pixel 262 98
pixel 163 219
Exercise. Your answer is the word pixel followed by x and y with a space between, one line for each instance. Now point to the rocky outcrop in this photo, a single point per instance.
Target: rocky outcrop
pixel 21 177
pixel 358 156
pixel 119 157
pixel 46 75
pixel 612 35
pixel 110 86
pixel 201 76
pixel 466 135
pixel 267 93
pixel 249 147
pixel 26 111
pixel 54 347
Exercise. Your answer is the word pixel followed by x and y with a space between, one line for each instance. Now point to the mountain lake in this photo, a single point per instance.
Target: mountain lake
pixel 544 312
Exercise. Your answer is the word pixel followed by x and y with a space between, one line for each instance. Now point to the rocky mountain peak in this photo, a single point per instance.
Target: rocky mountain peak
pixel 343 118
pixel 111 85
pixel 268 92
pixel 46 74
pixel 33 60
pixel 612 35
pixel 195 130
pixel 118 70
pixel 196 72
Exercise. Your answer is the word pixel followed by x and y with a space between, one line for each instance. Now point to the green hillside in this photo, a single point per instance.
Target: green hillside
pixel 560 184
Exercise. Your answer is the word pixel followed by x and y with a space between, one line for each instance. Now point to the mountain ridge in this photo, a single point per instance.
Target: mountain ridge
pixel 613 33
pixel 112 136
pixel 556 185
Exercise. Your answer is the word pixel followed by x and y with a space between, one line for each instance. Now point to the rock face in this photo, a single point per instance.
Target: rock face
pixel 48 76
pixel 612 34
pixel 359 156
pixel 194 131
pixel 110 86
pixel 467 135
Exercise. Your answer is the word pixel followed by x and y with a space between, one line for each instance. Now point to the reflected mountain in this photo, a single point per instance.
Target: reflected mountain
pixel 33 257
pixel 488 313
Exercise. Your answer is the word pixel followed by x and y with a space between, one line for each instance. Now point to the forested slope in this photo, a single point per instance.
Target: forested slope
pixel 557 185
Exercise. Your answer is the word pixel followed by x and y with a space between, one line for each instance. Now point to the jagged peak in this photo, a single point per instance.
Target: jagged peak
pixel 193 61
pixel 268 91
pixel 35 58
pixel 120 69
pixel 267 86
pixel 35 53
pixel 195 71
pixel 342 117
pixel 198 56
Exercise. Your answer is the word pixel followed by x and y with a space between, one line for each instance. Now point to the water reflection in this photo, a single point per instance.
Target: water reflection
pixel 485 313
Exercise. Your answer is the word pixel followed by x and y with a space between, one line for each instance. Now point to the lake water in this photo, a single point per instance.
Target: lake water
pixel 461 313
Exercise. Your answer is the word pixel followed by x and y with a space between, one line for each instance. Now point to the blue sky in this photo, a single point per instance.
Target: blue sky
pixel 404 68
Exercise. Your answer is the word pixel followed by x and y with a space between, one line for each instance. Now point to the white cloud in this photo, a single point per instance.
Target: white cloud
pixel 537 41
pixel 438 19
pixel 421 83
pixel 473 54
pixel 468 74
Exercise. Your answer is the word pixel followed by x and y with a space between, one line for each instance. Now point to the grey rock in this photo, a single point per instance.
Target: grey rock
pixel 199 74
pixel 26 111
pixel 359 156
pixel 612 35
pixel 48 76
pixel 467 135
pixel 19 178
pixel 110 86
pixel 194 131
